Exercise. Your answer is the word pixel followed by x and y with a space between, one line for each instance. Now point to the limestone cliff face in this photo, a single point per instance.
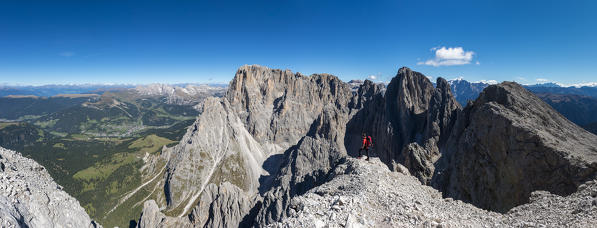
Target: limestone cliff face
pixel 29 197
pixel 278 107
pixel 409 123
pixel 422 117
pixel 219 206
pixel 509 143
pixel 264 113
pixel 307 165
pixel 215 149
pixel 222 206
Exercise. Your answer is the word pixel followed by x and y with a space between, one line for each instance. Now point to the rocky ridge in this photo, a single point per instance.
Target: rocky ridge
pixel 363 193
pixel 29 197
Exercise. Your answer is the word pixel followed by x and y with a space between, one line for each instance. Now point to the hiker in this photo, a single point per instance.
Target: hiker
pixel 367 142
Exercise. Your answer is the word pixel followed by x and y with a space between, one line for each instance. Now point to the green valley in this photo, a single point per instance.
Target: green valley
pixel 103 150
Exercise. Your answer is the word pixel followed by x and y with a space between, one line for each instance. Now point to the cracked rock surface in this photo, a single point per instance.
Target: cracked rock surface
pixel 366 194
pixel 29 197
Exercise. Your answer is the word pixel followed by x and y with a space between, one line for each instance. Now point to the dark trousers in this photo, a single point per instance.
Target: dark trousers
pixel 366 149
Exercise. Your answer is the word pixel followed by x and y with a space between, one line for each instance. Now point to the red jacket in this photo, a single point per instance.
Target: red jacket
pixel 367 142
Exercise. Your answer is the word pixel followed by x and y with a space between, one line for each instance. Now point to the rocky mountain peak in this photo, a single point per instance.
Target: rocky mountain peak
pixel 404 71
pixel 442 84
pixel 411 90
pixel 509 143
pixel 525 107
pixel 505 93
pixel 417 114
pixel 266 98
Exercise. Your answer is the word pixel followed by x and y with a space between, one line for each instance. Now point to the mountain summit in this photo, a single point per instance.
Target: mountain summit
pixel 509 143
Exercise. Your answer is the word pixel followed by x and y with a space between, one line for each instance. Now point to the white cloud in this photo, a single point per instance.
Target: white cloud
pixel 372 77
pixel 490 82
pixel 450 56
pixel 67 54
pixel 578 85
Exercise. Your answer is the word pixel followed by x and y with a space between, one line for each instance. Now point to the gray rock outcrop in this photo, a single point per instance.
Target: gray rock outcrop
pixel 367 194
pixel 216 148
pixel 409 121
pixel 278 107
pixel 509 143
pixel 220 206
pixel 153 217
pixel 29 197
pixel 306 166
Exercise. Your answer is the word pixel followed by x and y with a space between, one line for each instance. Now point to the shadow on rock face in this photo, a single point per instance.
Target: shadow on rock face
pixel 271 165
pixel 132 224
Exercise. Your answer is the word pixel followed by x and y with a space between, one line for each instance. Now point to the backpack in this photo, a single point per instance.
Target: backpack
pixel 369 141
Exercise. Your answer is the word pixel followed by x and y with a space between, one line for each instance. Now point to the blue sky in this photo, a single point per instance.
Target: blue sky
pixel 43 42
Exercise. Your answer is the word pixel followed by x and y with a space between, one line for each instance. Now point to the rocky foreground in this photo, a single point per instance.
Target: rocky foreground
pixel 366 194
pixel 29 197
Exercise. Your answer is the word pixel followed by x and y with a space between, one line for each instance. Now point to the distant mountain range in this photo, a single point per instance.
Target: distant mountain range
pixel 182 94
pixel 53 90
pixel 464 90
